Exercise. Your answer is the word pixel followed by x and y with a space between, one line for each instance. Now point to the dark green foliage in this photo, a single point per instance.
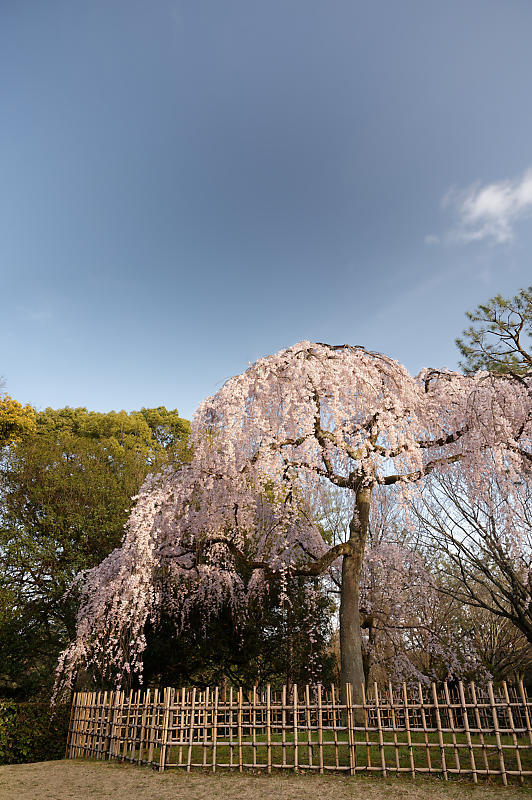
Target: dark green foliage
pixel 272 644
pixel 32 732
pixel 496 340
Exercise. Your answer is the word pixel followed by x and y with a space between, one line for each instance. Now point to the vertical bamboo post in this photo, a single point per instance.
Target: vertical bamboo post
pixel 366 727
pixel 424 724
pixel 134 727
pixel 101 726
pixel 139 716
pixel 124 743
pixel 350 728
pixel 453 727
pixel 164 728
pixel 379 728
pixel 231 717
pixel 335 730
pixel 92 715
pixel 89 724
pixel 82 702
pixel 525 709
pixel 83 741
pixel 116 733
pixel 131 728
pixel 468 732
pixel 150 716
pixel 92 723
pixel 76 751
pixel 479 727
pixel 83 712
pixel 205 723
pixel 254 727
pixel 512 726
pixel 153 725
pixel 106 739
pixel 82 715
pixel 497 733
pixel 408 734
pixel 182 717
pixel 143 723
pixel 240 729
pixel 320 729
pixel 308 724
pixel 394 726
pixel 114 699
pixel 295 721
pixel 95 716
pixel 121 728
pixel 115 725
pixel 70 725
pixel 268 728
pixel 440 732
pixel 74 741
pixel 214 728
pixel 283 732
pixel 128 735
pixel 191 728
pixel 92 731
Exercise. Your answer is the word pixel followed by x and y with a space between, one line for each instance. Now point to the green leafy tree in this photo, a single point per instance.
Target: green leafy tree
pixel 65 494
pixel 497 338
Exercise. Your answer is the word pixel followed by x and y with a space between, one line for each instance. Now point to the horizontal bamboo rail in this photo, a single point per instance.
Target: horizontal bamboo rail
pixel 463 730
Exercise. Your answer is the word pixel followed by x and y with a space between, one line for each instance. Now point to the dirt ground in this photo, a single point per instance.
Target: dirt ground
pixel 82 780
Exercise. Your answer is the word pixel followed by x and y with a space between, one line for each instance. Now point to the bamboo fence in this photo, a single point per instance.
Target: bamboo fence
pixel 469 730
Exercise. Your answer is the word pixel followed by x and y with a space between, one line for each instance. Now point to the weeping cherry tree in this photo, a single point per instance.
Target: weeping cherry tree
pixel 265 446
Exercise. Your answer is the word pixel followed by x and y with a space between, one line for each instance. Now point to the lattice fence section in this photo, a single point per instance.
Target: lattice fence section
pixel 466 730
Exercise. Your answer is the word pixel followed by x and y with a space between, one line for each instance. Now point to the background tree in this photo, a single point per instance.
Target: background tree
pixel 263 445
pixel 483 539
pixel 65 494
pixel 482 530
pixel 16 421
pixel 505 653
pixel 498 338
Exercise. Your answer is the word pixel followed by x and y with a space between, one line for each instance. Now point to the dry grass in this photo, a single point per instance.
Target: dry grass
pixel 90 780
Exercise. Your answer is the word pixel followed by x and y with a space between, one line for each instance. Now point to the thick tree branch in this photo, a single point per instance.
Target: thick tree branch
pixel 318 567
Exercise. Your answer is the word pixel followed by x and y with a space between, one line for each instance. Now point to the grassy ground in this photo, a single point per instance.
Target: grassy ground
pixel 486 756
pixel 91 780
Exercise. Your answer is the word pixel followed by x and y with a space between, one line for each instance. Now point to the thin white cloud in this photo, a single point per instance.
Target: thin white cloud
pixel 489 212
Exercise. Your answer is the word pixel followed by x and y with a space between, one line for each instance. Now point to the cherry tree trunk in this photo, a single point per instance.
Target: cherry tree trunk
pixel 352 665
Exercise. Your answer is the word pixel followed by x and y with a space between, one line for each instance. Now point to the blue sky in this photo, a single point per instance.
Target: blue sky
pixel 186 186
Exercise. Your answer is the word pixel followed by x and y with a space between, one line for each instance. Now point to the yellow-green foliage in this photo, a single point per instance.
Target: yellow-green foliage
pixel 16 420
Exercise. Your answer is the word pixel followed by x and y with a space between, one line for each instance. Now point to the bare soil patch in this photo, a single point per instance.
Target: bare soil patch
pixel 90 780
